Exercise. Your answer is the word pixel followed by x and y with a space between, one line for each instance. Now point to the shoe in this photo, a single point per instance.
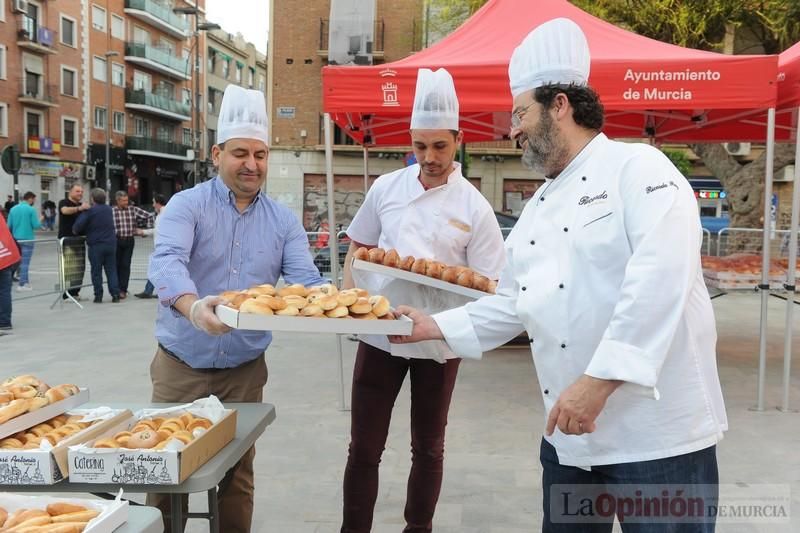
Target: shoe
pixel 6 328
pixel 143 295
pixel 115 299
pixel 5 332
pixel 123 295
pixel 25 288
pixel 98 300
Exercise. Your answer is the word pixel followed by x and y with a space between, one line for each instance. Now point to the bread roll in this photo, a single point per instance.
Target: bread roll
pixel 380 305
pixel 450 274
pixel 480 282
pixel 265 289
pixel 143 440
pixel 376 255
pixel 78 516
pixel 465 278
pixel 11 443
pixel 295 289
pixel 199 423
pixel 230 295
pixel 326 289
pixel 276 303
pixel 37 403
pixel 29 524
pixel 6 396
pixel 13 409
pixel 492 289
pixel 256 307
pixel 391 259
pixel 328 302
pixel 312 310
pixel 149 424
pixel 239 299
pixel 289 311
pixel 360 306
pixel 22 391
pixel 338 312
pixel 347 297
pixel 295 301
pixel 434 269
pixel 183 436
pixel 362 254
pixel 3 516
pixel 55 509
pixel 60 392
pixel 406 263
pixel 361 293
pixel 419 267
pixel 25 379
pixel 365 316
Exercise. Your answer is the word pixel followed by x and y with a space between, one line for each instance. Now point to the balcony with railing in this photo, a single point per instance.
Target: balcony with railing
pixel 360 51
pixel 159 15
pixel 157 104
pixel 156 147
pixel 157 59
pixel 34 37
pixel 34 93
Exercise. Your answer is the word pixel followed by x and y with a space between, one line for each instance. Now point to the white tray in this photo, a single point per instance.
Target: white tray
pixel 113 513
pixel 235 319
pixel 418 278
pixel 17 424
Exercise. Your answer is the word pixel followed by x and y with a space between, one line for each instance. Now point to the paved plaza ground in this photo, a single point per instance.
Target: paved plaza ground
pixel 492 475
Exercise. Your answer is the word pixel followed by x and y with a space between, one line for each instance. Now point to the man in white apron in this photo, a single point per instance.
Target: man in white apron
pixel 603 272
pixel 427 210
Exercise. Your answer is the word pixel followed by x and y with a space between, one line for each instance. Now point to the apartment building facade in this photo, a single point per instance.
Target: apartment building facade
pixel 41 94
pixel 230 59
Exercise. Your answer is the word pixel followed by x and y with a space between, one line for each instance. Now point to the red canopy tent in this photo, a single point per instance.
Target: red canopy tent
pixel 649 88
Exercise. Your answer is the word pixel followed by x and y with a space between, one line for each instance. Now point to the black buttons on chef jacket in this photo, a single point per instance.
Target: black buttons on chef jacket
pixel 560 285
pixel 566 229
pixel 541 199
pixel 524 288
pixel 547 391
pixel 533 242
pixel 563 345
pixel 530 340
pixel 583 178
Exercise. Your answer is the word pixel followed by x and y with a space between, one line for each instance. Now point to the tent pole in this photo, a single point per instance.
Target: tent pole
pixel 366 170
pixel 764 287
pixel 790 279
pixel 333 241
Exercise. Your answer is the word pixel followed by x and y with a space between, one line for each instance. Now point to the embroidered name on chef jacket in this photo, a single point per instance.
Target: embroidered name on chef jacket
pixel 586 200
pixel 654 188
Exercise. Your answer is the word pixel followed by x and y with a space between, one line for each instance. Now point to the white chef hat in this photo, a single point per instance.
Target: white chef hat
pixel 242 115
pixel 555 52
pixel 435 101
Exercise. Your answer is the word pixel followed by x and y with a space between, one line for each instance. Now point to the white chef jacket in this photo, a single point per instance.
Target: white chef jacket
pixel 603 271
pixel 452 223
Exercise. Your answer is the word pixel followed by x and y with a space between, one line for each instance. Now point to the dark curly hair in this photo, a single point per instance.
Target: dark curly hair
pixel 587 109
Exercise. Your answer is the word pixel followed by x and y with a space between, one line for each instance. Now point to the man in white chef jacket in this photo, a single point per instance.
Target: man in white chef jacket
pixel 603 271
pixel 427 210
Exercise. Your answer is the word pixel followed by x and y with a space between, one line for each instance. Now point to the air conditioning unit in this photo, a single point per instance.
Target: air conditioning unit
pixel 785 174
pixel 90 171
pixel 20 6
pixel 738 148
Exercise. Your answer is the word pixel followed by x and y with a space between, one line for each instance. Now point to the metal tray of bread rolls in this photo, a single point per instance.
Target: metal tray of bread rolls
pixel 398 273
pixel 253 321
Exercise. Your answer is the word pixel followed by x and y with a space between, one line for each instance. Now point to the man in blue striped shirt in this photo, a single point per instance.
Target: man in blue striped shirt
pixel 224 234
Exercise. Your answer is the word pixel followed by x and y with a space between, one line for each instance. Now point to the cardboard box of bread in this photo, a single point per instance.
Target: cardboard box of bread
pixel 50 514
pixel 27 400
pixel 155 446
pixel 38 455
pixel 458 279
pixel 290 308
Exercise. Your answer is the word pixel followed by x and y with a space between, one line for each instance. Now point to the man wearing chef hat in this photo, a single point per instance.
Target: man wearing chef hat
pixel 427 210
pixel 604 274
pixel 223 234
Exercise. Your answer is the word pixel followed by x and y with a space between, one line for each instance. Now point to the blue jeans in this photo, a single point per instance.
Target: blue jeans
pixel 5 297
pixel 149 287
pixel 608 488
pixel 26 250
pixel 104 257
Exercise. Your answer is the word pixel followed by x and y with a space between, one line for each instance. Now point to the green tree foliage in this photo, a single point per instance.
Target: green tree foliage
pixel 680 160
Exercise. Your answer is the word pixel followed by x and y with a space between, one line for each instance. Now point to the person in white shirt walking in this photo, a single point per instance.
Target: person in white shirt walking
pixel 603 271
pixel 427 210
pixel 159 201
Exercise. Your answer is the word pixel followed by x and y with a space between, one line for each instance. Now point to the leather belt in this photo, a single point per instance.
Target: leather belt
pixel 181 361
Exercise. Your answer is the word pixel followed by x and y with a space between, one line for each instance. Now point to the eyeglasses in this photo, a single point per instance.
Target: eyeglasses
pixel 516 116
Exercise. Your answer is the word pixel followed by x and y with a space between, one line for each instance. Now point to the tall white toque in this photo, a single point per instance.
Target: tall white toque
pixel 242 115
pixel 554 53
pixel 435 101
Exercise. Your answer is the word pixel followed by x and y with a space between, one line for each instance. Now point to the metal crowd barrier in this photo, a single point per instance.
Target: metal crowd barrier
pixel 749 241
pixel 43 270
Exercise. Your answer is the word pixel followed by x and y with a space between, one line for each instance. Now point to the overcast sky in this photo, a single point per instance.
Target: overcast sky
pixel 249 17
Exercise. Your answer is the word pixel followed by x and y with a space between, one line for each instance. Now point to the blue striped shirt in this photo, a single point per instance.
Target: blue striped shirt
pixel 206 246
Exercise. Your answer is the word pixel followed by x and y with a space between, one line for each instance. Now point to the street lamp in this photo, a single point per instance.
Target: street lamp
pixel 198 27
pixel 109 114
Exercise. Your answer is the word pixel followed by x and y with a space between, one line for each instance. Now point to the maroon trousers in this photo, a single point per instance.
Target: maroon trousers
pixel 377 378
